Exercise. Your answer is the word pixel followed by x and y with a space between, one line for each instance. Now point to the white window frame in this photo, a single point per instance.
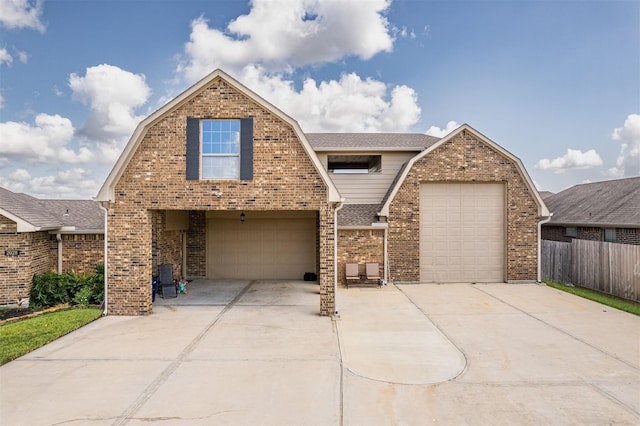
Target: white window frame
pixel 234 155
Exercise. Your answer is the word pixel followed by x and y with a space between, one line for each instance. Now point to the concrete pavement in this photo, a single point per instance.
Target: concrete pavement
pixel 240 352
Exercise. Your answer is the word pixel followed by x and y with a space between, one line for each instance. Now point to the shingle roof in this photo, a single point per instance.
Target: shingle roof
pixel 82 215
pixel 614 203
pixel 27 209
pixel 370 141
pixel 358 214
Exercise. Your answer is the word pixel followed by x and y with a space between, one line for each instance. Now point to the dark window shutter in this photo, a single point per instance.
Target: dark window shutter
pixel 246 148
pixel 193 149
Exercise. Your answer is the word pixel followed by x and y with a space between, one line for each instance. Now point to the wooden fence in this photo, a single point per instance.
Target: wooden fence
pixel 607 267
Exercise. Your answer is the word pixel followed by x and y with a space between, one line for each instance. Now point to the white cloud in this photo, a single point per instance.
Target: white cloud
pixel 1 101
pixel 628 161
pixel 76 183
pixel 573 159
pixel 113 95
pixel 283 34
pixel 349 104
pixel 45 141
pixel 5 57
pixel 23 57
pixel 439 133
pixel 16 14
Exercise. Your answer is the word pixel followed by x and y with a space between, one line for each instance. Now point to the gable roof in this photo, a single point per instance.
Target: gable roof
pixel 106 193
pixel 404 171
pixel 68 216
pixel 611 203
pixel 370 141
pixel 358 215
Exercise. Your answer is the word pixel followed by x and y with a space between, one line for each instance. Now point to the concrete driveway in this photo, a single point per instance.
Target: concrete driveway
pixel 240 352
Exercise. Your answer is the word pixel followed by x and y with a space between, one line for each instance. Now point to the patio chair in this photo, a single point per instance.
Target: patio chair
pixel 165 281
pixel 373 271
pixel 351 273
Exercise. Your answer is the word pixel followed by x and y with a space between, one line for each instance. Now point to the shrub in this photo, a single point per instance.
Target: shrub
pixel 50 289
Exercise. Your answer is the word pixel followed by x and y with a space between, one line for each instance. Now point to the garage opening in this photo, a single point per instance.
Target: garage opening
pixel 462 232
pixel 261 244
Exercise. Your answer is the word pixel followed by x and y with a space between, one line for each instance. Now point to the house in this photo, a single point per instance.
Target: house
pixel 600 211
pixel 38 236
pixel 222 184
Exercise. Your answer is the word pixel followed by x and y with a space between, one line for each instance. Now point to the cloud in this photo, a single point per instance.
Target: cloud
pixel 439 133
pixel 113 95
pixel 280 35
pixel 45 141
pixel 628 161
pixel 76 183
pixel 1 101
pixel 16 14
pixel 573 159
pixel 350 104
pixel 5 57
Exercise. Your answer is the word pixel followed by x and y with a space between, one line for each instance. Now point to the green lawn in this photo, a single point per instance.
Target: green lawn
pixel 612 301
pixel 21 337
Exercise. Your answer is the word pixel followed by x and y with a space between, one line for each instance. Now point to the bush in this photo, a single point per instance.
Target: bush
pixel 51 289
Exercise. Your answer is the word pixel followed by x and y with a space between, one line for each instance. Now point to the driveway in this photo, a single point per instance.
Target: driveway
pixel 256 352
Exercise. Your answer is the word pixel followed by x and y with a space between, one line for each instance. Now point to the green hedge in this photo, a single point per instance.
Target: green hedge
pixel 51 289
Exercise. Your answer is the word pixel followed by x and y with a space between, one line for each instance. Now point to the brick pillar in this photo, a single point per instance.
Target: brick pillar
pixel 326 248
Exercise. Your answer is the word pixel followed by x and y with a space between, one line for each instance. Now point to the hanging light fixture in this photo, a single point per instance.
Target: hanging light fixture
pixel 242 217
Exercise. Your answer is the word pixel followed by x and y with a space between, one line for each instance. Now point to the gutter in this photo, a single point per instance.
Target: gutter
pixel 102 205
pixel 59 239
pixel 542 221
pixel 335 256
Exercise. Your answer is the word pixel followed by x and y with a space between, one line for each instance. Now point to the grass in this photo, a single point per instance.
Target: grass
pixel 21 337
pixel 612 301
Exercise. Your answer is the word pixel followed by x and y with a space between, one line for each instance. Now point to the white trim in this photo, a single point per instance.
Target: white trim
pixel 542 208
pixel 106 192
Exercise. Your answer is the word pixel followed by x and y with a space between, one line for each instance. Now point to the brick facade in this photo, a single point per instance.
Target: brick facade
pixel 38 254
pixel 284 178
pixel 482 163
pixel 360 246
pixel 558 233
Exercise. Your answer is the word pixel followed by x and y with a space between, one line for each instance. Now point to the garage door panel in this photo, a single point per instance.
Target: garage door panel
pixel 462 232
pixel 261 248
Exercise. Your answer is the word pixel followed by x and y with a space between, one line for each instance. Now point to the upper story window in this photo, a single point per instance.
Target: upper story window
pixel 610 235
pixel 220 149
pixel 354 163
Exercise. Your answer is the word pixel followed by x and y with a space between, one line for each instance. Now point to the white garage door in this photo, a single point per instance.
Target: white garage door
pixel 462 232
pixel 266 246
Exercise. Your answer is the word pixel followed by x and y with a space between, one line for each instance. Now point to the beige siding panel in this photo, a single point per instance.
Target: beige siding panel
pixel 260 248
pixel 368 188
pixel 462 232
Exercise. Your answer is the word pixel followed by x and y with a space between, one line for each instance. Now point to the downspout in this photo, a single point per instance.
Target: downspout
pixel 540 223
pixel 102 205
pixel 59 239
pixel 335 256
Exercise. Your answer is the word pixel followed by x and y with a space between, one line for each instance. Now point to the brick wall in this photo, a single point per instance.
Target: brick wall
pixel 360 246
pixel 628 236
pixel 284 179
pixel 166 245
pixel 80 252
pixel 483 164
pixel 16 271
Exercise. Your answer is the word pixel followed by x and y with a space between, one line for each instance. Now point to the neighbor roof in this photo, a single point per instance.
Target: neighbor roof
pixel 68 216
pixel 370 141
pixel 611 203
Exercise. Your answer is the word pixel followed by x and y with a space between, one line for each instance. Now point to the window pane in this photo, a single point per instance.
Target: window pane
pixel 221 167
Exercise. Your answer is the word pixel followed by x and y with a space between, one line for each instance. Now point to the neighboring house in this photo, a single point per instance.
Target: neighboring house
pixel 599 211
pixel 222 184
pixel 46 235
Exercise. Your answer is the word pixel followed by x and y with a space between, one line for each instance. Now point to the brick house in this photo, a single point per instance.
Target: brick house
pixel 46 235
pixel 598 211
pixel 222 184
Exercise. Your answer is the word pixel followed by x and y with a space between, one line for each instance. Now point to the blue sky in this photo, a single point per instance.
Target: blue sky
pixel 557 83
